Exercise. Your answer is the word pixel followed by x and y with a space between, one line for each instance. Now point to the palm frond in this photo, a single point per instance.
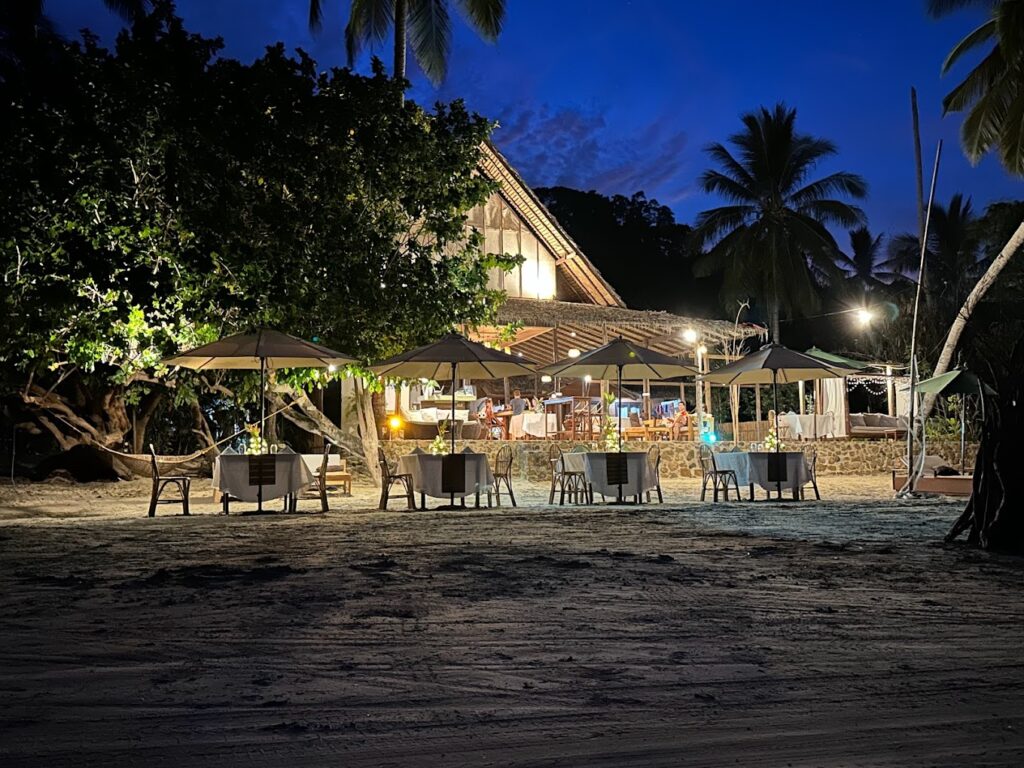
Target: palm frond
pixel 485 16
pixel 1011 138
pixel 982 34
pixel 833 212
pixel 1010 22
pixel 369 21
pixel 712 224
pixel 316 16
pixel 732 166
pixel 976 84
pixel 904 255
pixel 840 183
pixel 717 183
pixel 984 123
pixel 128 9
pixel 430 37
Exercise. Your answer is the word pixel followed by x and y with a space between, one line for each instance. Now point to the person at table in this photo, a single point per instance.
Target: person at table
pixel 681 422
pixel 517 404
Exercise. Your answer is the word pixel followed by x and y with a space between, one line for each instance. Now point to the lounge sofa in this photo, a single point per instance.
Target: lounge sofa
pixel 877 425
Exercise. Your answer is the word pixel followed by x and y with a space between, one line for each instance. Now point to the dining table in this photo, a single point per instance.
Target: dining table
pixel 532 424
pixel 428 476
pixel 808 426
pixel 260 478
pixel 759 468
pixel 620 475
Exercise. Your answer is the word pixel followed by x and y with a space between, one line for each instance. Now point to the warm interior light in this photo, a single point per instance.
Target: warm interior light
pixel 689 336
pixel 572 334
pixel 332 368
pixel 545 379
pixel 587 379
pixel 574 352
pixel 864 317
pixel 702 350
pixel 394 422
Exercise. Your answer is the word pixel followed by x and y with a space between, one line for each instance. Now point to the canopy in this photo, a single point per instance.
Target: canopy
pixel 955 382
pixel 261 349
pixel 456 357
pixel 839 360
pixel 775 364
pixel 622 359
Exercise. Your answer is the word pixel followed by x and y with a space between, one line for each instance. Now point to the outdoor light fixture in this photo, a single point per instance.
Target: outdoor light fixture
pixel 702 350
pixel 689 336
pixel 572 334
pixel 864 317
pixel 545 379
pixel 574 352
pixel 332 368
pixel 394 422
pixel 587 379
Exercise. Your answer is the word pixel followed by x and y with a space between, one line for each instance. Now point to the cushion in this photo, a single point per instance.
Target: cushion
pixel 872 420
pixel 857 420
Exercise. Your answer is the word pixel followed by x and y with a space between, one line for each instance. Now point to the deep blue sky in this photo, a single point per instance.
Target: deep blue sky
pixel 620 96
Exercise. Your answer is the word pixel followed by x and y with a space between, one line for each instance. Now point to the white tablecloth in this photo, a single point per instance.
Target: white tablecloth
pixel 804 426
pixel 640 476
pixel 752 468
pixel 231 476
pixel 425 469
pixel 532 424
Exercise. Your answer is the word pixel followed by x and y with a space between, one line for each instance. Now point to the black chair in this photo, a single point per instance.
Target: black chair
pixel 812 465
pixel 503 474
pixel 719 478
pixel 389 478
pixel 654 462
pixel 181 482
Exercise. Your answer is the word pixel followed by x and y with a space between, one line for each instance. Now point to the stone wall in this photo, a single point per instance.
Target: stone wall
pixel 681 459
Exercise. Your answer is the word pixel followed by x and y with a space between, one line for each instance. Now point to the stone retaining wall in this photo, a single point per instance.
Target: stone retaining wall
pixel 681 459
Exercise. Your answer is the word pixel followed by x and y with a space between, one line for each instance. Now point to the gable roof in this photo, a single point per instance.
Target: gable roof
pixel 570 261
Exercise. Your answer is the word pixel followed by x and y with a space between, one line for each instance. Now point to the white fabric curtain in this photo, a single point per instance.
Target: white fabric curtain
pixel 833 400
pixel 902 384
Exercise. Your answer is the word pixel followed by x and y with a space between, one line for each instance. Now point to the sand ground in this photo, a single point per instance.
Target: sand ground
pixel 836 633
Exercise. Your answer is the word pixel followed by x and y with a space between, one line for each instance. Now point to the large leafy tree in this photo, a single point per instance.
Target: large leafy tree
pixel 159 195
pixel 772 239
pixel 425 25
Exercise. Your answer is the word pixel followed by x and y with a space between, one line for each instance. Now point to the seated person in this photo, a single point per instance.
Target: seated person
pixel 517 404
pixel 680 424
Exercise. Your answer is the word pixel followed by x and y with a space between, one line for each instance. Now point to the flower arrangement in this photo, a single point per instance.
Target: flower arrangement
pixel 772 442
pixel 609 431
pixel 439 445
pixel 256 444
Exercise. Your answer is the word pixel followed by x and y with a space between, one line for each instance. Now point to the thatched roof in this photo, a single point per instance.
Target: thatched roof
pixel 551 328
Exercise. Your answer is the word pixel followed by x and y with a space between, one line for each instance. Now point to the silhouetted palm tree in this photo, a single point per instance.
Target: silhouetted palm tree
pixel 426 24
pixel 772 241
pixel 867 263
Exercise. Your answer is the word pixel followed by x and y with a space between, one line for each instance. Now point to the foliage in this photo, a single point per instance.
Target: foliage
pixel 771 240
pixel 608 228
pixel 609 440
pixel 440 444
pixel 157 196
pixel 428 23
pixel 772 441
pixel 992 93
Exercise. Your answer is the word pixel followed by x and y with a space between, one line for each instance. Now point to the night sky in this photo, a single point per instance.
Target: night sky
pixel 621 96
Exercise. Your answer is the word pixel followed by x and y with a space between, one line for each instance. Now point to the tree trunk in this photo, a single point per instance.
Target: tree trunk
pixel 994 516
pixel 368 427
pixel 400 39
pixel 973 299
pixel 143 413
pixel 86 417
pixel 773 320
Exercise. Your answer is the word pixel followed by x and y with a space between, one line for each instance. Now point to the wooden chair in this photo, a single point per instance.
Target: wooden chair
pixel 567 481
pixel 654 462
pixel 636 429
pixel 388 478
pixel 719 478
pixel 181 482
pixel 503 474
pixel 324 480
pixel 812 465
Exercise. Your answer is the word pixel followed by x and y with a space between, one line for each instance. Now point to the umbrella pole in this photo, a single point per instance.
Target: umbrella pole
pixel 775 401
pixel 451 425
pixel 618 413
pixel 963 430
pixel 263 427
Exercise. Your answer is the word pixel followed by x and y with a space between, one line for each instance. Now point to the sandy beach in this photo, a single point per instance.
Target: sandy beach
pixel 837 633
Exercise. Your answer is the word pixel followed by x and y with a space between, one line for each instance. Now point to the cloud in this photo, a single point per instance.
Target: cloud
pixel 582 148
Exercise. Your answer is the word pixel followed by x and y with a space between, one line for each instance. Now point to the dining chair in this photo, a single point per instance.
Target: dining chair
pixel 654 462
pixel 719 478
pixel 389 478
pixel 160 482
pixel 503 474
pixel 573 483
pixel 812 467
pixel 318 486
